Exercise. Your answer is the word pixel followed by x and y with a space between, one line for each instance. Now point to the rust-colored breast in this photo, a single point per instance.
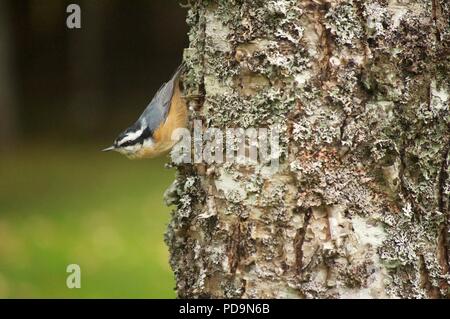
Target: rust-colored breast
pixel 177 118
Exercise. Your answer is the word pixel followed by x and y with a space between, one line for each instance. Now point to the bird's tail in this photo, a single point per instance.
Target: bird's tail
pixel 178 71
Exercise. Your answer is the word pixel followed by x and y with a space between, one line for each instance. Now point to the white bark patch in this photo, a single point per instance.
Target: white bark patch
pixel 212 210
pixel 368 234
pixel 214 86
pixel 338 224
pixel 398 12
pixel 232 189
pixel 375 16
pixel 439 97
pixel 302 78
pixel 217 33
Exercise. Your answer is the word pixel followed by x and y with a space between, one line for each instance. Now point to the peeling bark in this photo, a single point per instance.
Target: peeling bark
pixel 359 207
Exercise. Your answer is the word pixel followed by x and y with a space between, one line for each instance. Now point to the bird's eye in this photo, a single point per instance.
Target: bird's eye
pixel 133 137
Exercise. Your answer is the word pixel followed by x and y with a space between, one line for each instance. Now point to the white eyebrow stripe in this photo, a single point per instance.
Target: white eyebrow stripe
pixel 131 136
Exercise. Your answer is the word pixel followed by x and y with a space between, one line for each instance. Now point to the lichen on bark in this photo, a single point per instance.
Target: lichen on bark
pixel 360 204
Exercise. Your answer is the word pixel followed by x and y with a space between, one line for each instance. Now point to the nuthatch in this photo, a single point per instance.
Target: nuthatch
pixel 151 134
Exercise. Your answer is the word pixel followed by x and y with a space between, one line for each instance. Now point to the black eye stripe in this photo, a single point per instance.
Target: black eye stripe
pixel 129 143
pixel 139 140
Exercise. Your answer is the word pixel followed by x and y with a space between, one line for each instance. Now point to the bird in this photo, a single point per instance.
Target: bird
pixel 151 135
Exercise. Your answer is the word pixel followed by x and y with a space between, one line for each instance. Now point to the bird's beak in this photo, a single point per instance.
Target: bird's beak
pixel 111 148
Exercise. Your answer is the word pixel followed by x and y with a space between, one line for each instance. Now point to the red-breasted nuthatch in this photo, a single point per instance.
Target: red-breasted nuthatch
pixel 151 134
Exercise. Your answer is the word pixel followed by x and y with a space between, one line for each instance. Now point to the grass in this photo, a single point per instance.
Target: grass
pixel 80 206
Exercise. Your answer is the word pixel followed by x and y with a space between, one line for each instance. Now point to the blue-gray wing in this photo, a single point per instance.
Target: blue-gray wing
pixel 157 110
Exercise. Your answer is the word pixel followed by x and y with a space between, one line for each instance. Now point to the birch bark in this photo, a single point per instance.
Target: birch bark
pixel 359 207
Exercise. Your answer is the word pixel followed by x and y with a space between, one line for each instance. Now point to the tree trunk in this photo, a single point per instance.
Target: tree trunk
pixel 359 206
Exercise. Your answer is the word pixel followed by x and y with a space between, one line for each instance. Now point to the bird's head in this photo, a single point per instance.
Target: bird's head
pixel 133 141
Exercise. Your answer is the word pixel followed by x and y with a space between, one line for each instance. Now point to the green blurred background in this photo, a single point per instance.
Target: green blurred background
pixel 64 95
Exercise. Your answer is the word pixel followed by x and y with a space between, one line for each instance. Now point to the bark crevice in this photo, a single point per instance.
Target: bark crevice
pixel 432 292
pixel 234 248
pixel 436 13
pixel 299 241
